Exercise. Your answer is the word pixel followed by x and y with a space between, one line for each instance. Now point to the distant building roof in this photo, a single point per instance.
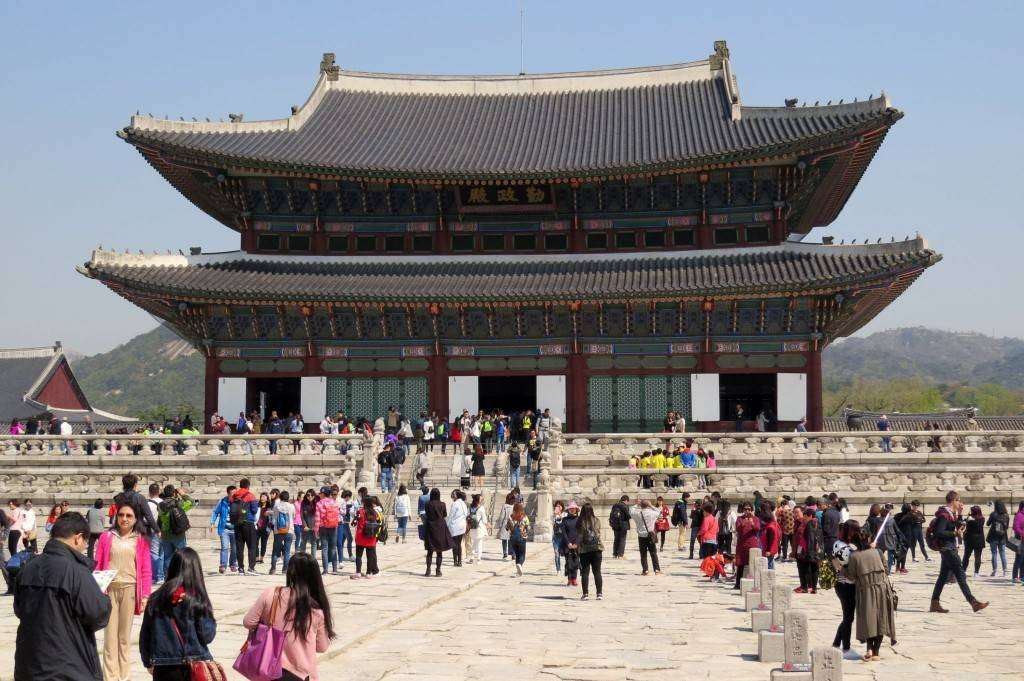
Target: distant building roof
pixel 954 419
pixel 34 381
pixel 578 124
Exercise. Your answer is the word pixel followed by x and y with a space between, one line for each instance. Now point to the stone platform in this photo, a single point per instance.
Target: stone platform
pixel 479 622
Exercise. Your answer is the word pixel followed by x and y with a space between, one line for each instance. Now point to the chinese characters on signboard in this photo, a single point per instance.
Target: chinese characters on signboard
pixel 496 198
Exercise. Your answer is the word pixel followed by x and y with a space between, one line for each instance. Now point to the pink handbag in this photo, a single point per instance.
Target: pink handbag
pixel 260 658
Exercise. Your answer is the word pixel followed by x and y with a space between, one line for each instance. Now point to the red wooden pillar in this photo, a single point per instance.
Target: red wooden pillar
pixel 437 385
pixel 210 393
pixel 578 421
pixel 815 420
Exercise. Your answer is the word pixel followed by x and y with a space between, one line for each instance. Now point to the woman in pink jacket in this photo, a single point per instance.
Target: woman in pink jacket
pixel 126 550
pixel 300 609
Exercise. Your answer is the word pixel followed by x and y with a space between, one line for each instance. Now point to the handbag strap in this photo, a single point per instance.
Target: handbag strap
pixel 184 650
pixel 273 607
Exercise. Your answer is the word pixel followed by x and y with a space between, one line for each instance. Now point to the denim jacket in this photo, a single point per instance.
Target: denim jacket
pixel 159 644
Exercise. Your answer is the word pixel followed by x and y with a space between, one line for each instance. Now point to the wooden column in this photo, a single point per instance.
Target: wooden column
pixel 210 394
pixel 576 414
pixel 815 420
pixel 437 386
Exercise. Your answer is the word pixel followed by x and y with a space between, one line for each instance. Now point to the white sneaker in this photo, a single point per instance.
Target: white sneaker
pixel 851 655
pixel 519 570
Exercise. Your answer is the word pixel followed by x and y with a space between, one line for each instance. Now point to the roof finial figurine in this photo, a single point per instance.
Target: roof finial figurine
pixel 716 60
pixel 892 239
pixel 877 242
pixel 236 117
pixel 790 103
pixel 328 67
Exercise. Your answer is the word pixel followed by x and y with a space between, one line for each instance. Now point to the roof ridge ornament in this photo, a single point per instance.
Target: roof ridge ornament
pixel 328 67
pixel 719 56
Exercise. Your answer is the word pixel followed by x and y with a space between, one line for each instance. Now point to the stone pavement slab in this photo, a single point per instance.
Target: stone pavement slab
pixel 479 621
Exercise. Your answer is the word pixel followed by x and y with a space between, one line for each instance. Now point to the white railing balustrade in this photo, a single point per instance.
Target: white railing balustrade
pixel 106 445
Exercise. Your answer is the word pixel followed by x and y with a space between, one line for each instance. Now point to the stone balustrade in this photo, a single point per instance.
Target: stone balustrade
pixel 303 445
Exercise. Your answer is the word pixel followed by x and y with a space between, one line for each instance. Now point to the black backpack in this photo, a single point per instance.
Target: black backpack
pixel 399 456
pixel 616 519
pixel 177 520
pixel 679 514
pixel 238 511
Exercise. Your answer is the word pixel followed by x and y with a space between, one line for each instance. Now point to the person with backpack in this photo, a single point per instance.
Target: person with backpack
pixel 644 516
pixel 328 518
pixel 242 514
pixel 515 462
pixel 942 534
pixel 618 520
pixel 680 520
pixel 518 527
pixel 810 549
pixel 124 549
pixel 174 522
pixel 998 523
pixel 282 518
pixel 386 462
pixel 591 550
pixel 178 624
pixel 302 612
pixel 477 524
pixel 368 526
pixel 221 522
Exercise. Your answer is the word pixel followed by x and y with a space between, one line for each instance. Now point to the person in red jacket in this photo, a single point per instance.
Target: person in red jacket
pixel 368 522
pixel 748 536
pixel 771 533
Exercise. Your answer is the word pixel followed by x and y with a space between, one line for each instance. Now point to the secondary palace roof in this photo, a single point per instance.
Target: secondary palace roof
pixel 252 278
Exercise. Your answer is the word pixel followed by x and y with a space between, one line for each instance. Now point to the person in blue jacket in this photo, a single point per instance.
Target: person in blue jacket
pixel 221 519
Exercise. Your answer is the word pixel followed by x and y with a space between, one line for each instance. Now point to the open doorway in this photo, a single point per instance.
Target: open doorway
pixel 508 393
pixel 753 392
pixel 283 395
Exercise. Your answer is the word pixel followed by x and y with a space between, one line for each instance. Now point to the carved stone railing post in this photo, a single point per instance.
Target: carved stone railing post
pixel 101 447
pixel 996 443
pixel 922 444
pixel 800 445
pixel 874 444
pixel 542 529
pixel 1018 443
pixel 191 447
pixel 555 443
pixel 972 444
pixel 899 444
pixel 774 445
pixel 215 447
pixel 850 445
pixel 237 447
pixel 329 448
pixel 753 445
pixel 9 447
pixel 285 447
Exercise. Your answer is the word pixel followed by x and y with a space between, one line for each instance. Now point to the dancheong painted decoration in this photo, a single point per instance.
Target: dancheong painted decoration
pixel 607 244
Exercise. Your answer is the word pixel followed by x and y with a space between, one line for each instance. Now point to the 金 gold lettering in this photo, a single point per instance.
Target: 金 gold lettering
pixel 477 195
pixel 507 195
pixel 534 195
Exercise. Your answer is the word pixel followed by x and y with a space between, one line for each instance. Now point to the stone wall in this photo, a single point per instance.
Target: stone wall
pixel 984 466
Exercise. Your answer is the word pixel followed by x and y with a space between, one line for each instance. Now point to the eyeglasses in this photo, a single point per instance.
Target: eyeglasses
pixel 126 515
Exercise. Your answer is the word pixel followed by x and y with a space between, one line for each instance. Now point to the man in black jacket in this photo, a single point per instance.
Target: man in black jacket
pixel 61 608
pixel 830 521
pixel 618 520
pixel 947 530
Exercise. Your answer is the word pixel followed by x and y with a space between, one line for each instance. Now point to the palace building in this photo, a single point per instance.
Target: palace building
pixel 607 244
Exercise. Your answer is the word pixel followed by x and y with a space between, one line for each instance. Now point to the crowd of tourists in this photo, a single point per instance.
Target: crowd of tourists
pixel 141 544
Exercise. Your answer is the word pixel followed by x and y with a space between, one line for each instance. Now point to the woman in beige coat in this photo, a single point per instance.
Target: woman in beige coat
pixel 876 599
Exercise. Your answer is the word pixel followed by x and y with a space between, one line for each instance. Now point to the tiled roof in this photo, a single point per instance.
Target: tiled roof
pixel 533 126
pixel 249 277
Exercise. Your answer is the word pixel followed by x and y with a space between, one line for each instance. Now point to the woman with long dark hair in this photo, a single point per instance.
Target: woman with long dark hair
pixel 998 523
pixel 300 609
pixel 178 625
pixel 591 550
pixel 263 528
pixel 438 539
pixel 846 588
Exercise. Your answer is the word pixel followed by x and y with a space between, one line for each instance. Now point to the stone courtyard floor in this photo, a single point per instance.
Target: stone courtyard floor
pixel 480 622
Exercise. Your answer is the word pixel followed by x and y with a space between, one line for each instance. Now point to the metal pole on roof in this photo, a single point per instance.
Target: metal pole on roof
pixel 522 38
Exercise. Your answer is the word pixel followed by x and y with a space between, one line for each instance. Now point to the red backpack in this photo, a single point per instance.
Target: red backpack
pixel 331 515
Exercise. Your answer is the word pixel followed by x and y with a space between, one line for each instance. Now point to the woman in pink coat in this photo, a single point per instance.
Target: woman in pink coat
pixel 124 549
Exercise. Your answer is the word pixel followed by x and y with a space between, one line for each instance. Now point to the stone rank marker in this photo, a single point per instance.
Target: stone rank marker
pixel 771 642
pixel 796 665
pixel 761 616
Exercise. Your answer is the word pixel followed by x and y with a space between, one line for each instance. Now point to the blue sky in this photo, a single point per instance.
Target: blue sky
pixel 74 72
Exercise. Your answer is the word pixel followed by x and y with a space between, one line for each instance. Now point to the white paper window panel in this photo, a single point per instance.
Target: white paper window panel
pixel 704 399
pixel 230 398
pixel 791 397
pixel 313 398
pixel 551 395
pixel 463 393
